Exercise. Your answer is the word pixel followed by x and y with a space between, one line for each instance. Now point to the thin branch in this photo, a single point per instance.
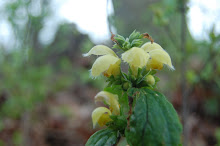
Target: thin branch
pixel 146 35
pixel 185 92
pixel 113 39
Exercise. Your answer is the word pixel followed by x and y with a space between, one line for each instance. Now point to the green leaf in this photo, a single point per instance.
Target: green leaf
pixel 133 92
pixel 120 39
pixel 136 43
pixel 154 121
pixel 116 46
pixel 103 137
pixel 134 35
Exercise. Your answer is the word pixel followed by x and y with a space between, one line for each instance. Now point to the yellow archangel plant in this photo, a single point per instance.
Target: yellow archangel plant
pixel 132 104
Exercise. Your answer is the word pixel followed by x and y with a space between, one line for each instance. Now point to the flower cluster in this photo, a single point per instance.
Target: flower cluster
pixel 143 62
pixel 150 55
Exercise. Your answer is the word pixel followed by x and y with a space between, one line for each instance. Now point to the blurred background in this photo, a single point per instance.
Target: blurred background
pixel 46 93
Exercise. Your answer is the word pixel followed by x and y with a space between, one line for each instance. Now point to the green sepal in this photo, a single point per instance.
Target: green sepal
pixel 154 121
pixel 141 79
pixel 153 72
pixel 156 78
pixel 103 137
pixel 125 76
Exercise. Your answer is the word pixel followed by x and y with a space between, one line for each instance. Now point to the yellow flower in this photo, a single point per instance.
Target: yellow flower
pixel 158 56
pixel 136 57
pixel 151 55
pixel 108 63
pixel 101 114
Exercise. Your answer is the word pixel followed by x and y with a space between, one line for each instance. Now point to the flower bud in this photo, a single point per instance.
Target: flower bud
pixel 150 79
pixel 126 85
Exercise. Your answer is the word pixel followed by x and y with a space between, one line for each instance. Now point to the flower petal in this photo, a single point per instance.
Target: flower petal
pixel 160 57
pixel 100 50
pixel 101 116
pixel 114 69
pixel 136 57
pixel 110 99
pixel 147 47
pixel 154 64
pixel 102 64
pixel 134 70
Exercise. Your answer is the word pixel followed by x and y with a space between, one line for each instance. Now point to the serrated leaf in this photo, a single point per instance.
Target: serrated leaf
pixel 154 121
pixel 103 137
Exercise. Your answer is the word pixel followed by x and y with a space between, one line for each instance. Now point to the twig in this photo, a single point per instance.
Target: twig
pixel 25 124
pixel 185 92
pixel 113 39
pixel 146 35
pixel 130 100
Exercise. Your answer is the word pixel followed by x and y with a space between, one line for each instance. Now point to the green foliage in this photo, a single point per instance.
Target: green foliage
pixel 191 77
pixel 134 40
pixel 129 80
pixel 17 138
pixel 212 106
pixel 119 123
pixel 217 134
pixel 103 137
pixel 154 121
pixel 26 85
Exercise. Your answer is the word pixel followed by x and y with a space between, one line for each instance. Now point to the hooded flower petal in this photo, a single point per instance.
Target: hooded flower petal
pixel 114 69
pixel 100 50
pixel 154 64
pixel 101 116
pixel 110 99
pixel 103 63
pixel 158 58
pixel 147 47
pixel 136 57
